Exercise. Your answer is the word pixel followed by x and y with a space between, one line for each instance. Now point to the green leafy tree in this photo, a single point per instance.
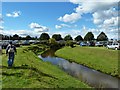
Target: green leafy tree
pixel 11 38
pixel 44 36
pixel 28 37
pixel 52 41
pixel 89 36
pixel 53 44
pixel 1 37
pixel 15 37
pixel 102 37
pixel 69 43
pixel 57 37
pixel 68 37
pixel 78 38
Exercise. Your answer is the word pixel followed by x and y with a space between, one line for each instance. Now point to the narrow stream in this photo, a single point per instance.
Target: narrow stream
pixel 90 76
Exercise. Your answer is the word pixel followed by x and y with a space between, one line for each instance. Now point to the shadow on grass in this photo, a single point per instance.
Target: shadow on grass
pixel 24 67
pixel 12 74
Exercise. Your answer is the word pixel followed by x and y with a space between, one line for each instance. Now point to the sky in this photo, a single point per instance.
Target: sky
pixel 76 17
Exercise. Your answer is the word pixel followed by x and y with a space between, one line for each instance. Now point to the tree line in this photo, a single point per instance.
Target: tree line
pixel 88 37
pixel 44 36
pixel 17 37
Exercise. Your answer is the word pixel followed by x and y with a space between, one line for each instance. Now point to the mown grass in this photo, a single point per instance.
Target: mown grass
pixel 99 58
pixel 31 72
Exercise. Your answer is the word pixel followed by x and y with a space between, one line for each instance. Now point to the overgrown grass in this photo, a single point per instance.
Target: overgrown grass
pixel 31 72
pixel 99 58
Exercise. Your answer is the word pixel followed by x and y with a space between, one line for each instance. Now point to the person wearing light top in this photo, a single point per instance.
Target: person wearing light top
pixel 10 51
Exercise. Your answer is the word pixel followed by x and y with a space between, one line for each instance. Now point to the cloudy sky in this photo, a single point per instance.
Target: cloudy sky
pixel 76 17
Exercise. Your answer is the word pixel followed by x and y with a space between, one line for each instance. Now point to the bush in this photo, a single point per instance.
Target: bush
pixel 69 43
pixel 53 44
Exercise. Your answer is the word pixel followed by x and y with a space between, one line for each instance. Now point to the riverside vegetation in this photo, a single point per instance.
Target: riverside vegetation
pixel 98 58
pixel 31 72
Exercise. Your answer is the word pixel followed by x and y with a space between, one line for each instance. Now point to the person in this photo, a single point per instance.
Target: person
pixel 10 51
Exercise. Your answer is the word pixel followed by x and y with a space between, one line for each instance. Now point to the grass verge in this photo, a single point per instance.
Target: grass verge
pixel 31 72
pixel 99 58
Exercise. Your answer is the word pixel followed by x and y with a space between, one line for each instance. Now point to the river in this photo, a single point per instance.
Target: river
pixel 90 76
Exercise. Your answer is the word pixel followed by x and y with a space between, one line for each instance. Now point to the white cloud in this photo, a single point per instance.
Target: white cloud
pixel 58 26
pixel 42 29
pixel 113 21
pixel 100 16
pixel 14 14
pixel 1 31
pixel 112 33
pixel 21 32
pixel 73 33
pixel 109 21
pixel 105 16
pixel 1 27
pixel 87 6
pixel 34 25
pixel 63 25
pixel 70 18
pixel 97 21
pixel 38 28
pixel 103 13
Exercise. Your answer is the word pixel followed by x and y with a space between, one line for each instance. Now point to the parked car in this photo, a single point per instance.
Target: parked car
pixel 105 43
pixel 115 46
pixel 25 42
pixel 83 44
pixel 99 44
pixel 91 43
pixel 16 43
pixel 4 44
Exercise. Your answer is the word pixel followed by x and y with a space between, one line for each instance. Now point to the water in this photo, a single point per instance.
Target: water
pixel 90 76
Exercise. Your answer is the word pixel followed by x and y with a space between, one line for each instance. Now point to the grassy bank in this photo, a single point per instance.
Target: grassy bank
pixel 31 72
pixel 98 58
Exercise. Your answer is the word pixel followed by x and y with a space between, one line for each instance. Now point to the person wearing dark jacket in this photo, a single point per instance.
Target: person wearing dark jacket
pixel 10 51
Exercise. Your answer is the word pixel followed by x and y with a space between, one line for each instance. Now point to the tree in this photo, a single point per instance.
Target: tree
pixel 53 44
pixel 102 37
pixel 44 36
pixel 28 37
pixel 52 41
pixel 69 43
pixel 68 37
pixel 1 37
pixel 5 37
pixel 57 37
pixel 89 36
pixel 15 37
pixel 79 38
pixel 36 38
pixel 11 38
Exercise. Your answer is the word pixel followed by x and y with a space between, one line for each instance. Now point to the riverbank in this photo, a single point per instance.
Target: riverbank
pixel 98 58
pixel 31 72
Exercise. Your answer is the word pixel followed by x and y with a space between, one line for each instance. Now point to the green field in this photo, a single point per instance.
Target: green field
pixel 31 72
pixel 99 58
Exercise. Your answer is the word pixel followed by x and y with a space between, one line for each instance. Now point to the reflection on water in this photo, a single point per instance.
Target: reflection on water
pixel 90 76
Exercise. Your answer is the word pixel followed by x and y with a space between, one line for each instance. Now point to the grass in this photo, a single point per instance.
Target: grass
pixel 99 58
pixel 31 72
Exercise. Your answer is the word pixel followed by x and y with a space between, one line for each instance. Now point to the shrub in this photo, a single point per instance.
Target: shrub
pixel 69 43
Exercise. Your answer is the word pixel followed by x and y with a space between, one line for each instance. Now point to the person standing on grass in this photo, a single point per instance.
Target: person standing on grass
pixel 10 51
